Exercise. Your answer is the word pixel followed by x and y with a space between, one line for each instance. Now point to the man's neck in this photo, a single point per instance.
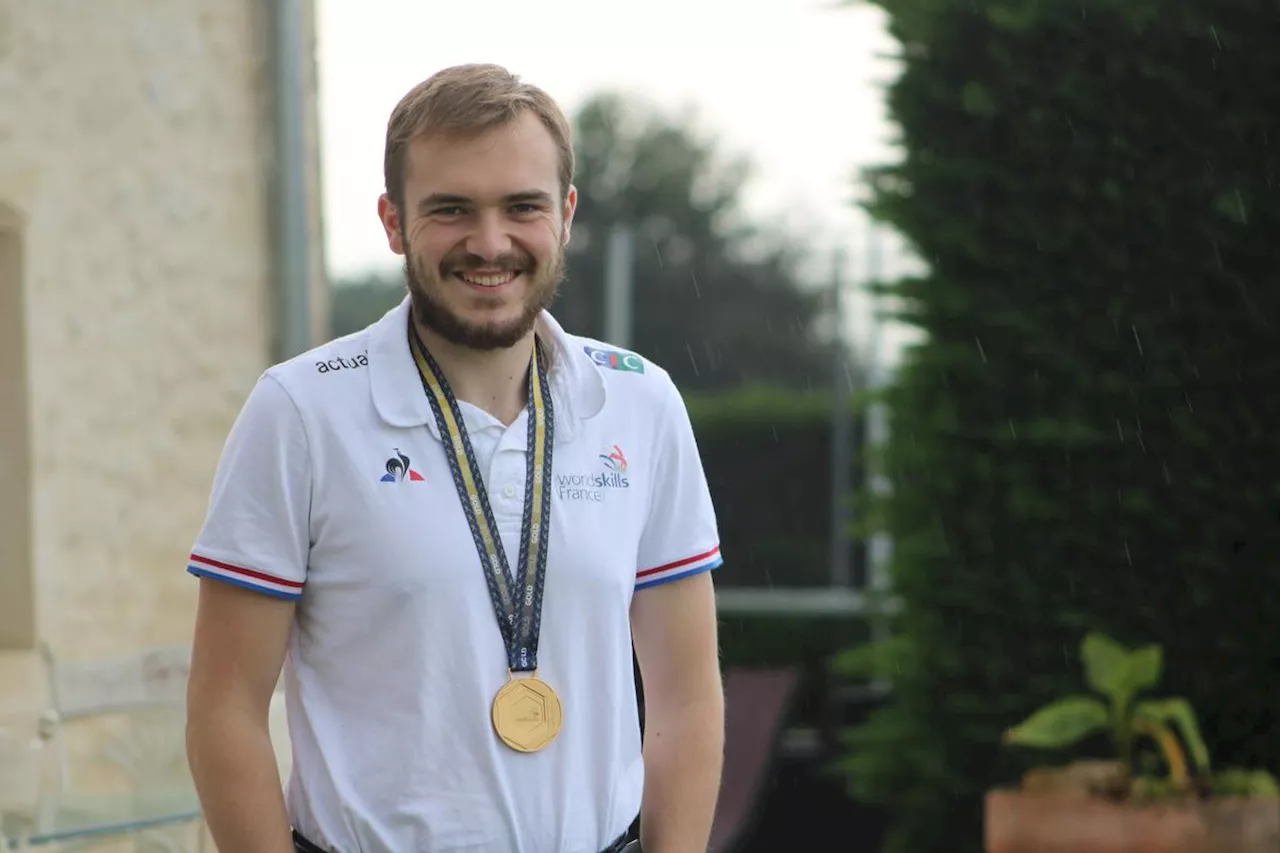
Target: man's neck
pixel 493 380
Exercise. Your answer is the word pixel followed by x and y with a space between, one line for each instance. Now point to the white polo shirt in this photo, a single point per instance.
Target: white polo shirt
pixel 334 490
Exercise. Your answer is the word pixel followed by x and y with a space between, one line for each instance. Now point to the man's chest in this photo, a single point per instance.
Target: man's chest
pixel 387 512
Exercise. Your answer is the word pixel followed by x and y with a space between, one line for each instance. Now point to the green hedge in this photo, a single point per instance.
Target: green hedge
pixel 1088 437
pixel 767 454
pixel 805 642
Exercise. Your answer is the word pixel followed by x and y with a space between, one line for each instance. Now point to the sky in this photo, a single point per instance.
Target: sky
pixel 794 85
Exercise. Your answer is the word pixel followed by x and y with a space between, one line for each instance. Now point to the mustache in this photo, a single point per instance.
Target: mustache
pixel 466 262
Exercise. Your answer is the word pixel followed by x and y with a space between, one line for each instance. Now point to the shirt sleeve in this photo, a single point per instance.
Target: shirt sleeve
pixel 256 534
pixel 680 537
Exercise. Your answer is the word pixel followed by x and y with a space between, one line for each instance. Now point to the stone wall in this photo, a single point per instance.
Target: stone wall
pixel 135 163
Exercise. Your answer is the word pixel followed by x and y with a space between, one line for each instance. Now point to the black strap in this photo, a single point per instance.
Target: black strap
pixel 623 844
pixel 302 845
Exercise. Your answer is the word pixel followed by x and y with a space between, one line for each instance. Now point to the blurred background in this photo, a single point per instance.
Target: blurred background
pixel 974 307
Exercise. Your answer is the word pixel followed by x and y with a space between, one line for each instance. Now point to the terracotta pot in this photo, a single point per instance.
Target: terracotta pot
pixel 1018 822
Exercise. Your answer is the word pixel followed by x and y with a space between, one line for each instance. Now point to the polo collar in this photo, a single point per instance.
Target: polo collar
pixel 576 385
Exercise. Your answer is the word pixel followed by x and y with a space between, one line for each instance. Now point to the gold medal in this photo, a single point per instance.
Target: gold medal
pixel 526 714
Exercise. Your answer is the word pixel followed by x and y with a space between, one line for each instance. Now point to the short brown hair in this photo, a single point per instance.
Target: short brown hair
pixel 468 100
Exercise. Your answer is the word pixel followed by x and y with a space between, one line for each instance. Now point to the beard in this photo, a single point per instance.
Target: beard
pixel 428 288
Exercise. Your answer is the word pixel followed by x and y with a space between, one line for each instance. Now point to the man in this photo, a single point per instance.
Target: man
pixel 458 523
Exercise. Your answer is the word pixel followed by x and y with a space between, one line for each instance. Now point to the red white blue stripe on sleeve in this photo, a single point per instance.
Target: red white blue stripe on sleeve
pixel 703 562
pixel 203 567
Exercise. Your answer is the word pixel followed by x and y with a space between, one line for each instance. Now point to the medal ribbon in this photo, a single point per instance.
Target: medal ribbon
pixel 517 601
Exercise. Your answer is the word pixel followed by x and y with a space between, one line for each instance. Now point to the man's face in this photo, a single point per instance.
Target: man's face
pixel 483 230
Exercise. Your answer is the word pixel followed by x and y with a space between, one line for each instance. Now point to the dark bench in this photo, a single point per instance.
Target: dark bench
pixel 757 703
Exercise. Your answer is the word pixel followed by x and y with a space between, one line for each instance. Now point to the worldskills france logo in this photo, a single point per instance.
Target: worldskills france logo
pixel 595 486
pixel 614 459
pixel 398 470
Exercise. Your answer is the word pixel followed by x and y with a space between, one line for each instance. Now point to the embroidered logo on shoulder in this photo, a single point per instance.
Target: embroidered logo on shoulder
pixel 627 362
pixel 398 470
pixel 343 363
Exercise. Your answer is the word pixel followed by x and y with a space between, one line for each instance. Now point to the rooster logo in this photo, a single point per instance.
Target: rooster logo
pixel 398 469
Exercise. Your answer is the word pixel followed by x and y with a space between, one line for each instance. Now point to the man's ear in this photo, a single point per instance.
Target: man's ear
pixel 389 215
pixel 570 207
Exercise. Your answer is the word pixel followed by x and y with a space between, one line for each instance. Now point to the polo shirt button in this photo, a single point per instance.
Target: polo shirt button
pixel 509 490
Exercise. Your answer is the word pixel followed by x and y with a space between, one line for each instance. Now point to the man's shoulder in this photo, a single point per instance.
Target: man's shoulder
pixel 628 375
pixel 328 372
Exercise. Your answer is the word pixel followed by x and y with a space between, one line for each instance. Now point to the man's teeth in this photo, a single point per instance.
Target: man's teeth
pixel 492 280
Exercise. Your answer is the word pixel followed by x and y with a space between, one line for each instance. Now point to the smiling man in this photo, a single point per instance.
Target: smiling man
pixel 453 540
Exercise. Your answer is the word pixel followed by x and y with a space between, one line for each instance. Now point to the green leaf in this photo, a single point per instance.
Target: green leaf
pixel 1234 782
pixel 1060 723
pixel 1263 784
pixel 1144 668
pixel 1116 672
pixel 1179 712
pixel 1104 663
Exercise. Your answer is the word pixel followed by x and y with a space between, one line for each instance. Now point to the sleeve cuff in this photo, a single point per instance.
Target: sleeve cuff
pixel 704 562
pixel 203 567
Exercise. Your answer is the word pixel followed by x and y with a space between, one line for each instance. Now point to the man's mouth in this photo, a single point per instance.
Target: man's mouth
pixel 488 279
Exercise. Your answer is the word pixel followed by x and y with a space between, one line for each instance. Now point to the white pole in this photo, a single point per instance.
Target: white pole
pixel 841 434
pixel 618 287
pixel 292 199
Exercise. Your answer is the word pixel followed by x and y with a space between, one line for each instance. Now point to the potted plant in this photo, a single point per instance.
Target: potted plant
pixel 1168 800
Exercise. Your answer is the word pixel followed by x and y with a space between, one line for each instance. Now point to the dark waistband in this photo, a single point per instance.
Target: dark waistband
pixel 302 845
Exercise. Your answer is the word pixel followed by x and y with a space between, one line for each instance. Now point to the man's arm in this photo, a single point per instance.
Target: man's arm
pixel 251 557
pixel 674 630
pixel 240 641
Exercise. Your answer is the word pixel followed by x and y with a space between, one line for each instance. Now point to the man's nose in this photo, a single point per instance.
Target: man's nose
pixel 489 239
